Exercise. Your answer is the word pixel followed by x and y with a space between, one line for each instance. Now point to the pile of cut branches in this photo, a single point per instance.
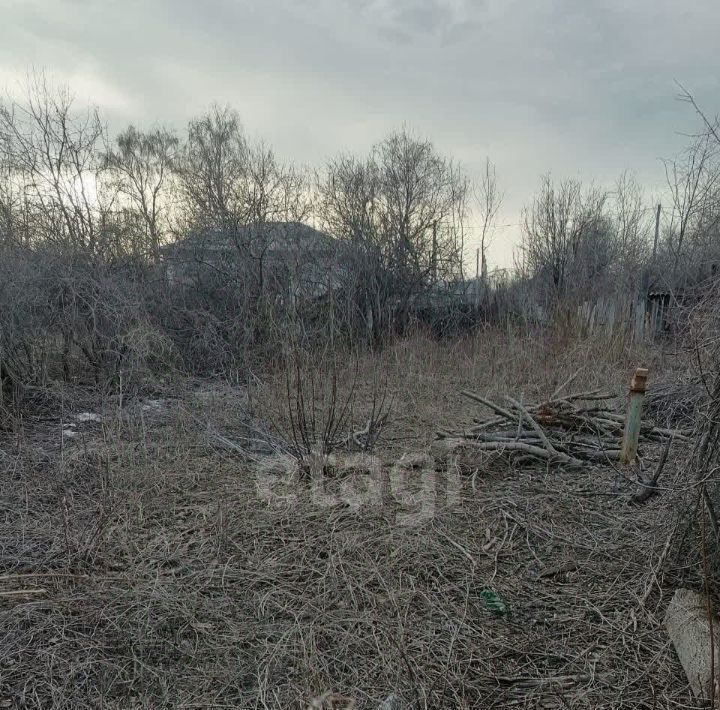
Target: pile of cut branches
pixel 676 402
pixel 579 429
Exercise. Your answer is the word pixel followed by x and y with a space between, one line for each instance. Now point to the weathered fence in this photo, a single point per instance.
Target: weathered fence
pixel 637 318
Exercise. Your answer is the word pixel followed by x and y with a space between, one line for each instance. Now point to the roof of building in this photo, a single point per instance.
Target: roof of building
pixel 275 238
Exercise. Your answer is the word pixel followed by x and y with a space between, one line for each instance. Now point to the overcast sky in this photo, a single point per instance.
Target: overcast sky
pixel 581 88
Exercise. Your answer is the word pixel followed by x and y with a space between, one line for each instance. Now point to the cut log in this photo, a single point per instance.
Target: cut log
pixel 686 621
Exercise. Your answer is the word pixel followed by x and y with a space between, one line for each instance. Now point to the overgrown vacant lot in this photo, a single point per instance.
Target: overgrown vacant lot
pixel 142 568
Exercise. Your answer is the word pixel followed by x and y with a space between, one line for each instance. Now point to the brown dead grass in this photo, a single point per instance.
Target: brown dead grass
pixel 139 569
pixel 422 376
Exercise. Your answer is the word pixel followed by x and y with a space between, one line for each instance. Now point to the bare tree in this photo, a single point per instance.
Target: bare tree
pixel 349 199
pixel 711 125
pixel 348 206
pixel 13 216
pixel 488 200
pixel 563 225
pixel 631 231
pixel 402 210
pixel 213 170
pixel 274 191
pixel 422 210
pixel 692 179
pixel 141 170
pixel 229 183
pixel 52 153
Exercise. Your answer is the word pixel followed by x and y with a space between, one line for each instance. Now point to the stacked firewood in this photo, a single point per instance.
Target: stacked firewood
pixel 579 429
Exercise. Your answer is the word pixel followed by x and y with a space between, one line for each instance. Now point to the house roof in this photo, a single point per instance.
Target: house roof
pixel 279 239
pixel 316 261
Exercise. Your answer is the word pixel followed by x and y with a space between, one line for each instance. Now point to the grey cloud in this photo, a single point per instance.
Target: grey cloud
pixel 423 17
pixel 540 85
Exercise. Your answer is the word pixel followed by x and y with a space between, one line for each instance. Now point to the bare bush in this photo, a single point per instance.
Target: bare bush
pixel 322 411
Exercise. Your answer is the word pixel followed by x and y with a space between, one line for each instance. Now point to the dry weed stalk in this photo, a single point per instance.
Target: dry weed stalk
pixel 322 417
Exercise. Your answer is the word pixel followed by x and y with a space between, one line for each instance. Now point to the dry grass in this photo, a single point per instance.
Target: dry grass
pixel 422 377
pixel 139 569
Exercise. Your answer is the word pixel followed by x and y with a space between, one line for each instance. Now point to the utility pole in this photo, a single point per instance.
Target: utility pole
pixel 657 231
pixel 434 252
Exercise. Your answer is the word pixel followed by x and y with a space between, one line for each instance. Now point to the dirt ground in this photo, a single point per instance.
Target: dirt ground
pixel 143 566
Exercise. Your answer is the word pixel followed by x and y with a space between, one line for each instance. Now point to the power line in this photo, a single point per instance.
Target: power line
pixel 495 226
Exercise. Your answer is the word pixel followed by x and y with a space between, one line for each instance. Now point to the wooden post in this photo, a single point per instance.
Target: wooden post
pixel 633 418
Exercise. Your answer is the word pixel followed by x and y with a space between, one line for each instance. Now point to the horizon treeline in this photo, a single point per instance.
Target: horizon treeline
pixel 87 223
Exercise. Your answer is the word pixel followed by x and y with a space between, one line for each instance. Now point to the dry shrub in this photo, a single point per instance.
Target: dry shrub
pixel 697 397
pixel 329 408
pixel 146 353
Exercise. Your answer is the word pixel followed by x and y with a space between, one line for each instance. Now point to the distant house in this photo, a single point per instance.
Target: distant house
pixel 290 259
